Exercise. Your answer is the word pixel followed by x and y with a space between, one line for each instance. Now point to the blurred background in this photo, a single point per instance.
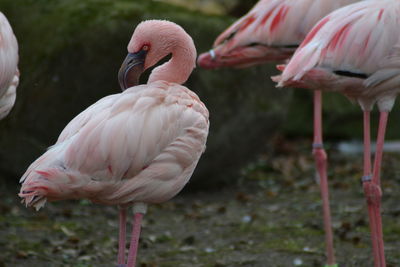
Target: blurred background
pixel 257 167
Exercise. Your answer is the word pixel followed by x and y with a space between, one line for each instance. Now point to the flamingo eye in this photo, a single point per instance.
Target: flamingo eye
pixel 146 48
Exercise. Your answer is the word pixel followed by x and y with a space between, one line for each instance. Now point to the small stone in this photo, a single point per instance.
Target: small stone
pixel 209 250
pixel 246 219
pixel 298 262
pixel 22 254
pixel 152 238
pixel 187 248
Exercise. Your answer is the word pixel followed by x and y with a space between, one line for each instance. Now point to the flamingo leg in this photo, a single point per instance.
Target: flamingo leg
pixel 321 166
pixel 139 209
pixel 122 237
pixel 366 179
pixel 373 194
pixel 367 144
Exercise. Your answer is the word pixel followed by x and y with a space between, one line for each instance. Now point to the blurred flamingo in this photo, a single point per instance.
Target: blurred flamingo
pixel 356 51
pixel 9 74
pixel 137 147
pixel 271 31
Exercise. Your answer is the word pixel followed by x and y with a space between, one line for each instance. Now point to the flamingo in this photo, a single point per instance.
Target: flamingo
pixel 271 31
pixel 133 148
pixel 9 74
pixel 355 50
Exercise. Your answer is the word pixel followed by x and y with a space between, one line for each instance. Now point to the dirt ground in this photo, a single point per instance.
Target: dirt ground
pixel 270 217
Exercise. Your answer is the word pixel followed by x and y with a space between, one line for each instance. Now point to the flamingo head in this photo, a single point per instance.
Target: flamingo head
pixel 151 41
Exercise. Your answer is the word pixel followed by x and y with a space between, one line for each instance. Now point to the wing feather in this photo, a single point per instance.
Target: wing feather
pixel 366 40
pixel 161 129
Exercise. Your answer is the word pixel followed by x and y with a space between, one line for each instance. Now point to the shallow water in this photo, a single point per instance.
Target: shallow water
pixel 356 147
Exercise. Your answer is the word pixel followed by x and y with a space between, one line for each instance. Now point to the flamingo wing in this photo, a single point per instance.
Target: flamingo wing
pixel 77 123
pixel 146 140
pixel 352 41
pixel 388 74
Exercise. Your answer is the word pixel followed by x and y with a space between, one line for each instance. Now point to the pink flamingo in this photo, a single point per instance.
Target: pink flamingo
pixel 271 31
pixel 8 67
pixel 137 147
pixel 356 50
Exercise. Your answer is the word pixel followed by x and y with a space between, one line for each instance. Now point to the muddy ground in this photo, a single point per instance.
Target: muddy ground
pixel 269 217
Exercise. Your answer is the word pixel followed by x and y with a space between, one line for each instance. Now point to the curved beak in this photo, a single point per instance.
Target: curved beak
pixel 131 69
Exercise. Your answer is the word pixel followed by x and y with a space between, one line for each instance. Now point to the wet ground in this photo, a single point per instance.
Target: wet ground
pixel 270 217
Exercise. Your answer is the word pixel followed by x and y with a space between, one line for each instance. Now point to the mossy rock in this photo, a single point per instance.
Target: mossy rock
pixel 70 52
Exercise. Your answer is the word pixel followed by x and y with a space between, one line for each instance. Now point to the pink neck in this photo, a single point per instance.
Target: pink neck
pixel 179 67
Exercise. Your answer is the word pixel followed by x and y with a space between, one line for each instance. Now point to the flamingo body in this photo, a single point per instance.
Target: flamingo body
pixel 9 74
pixel 270 31
pixel 352 50
pixel 138 146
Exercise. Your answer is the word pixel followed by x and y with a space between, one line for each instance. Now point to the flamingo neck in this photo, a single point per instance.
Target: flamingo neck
pixel 178 68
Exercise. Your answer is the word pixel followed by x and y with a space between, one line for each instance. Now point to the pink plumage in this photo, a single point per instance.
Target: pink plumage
pixel 270 31
pixel 352 50
pixel 9 74
pixel 137 147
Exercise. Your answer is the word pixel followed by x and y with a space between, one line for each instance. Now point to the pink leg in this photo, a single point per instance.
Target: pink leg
pixel 367 144
pixel 373 193
pixel 366 179
pixel 137 221
pixel 122 237
pixel 321 165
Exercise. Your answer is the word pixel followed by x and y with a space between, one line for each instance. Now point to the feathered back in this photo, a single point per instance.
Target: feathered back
pixel 271 31
pixel 279 22
pixel 357 38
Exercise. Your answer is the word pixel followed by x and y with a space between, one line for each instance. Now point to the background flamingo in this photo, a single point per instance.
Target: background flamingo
pixel 355 50
pixel 133 148
pixel 9 77
pixel 271 31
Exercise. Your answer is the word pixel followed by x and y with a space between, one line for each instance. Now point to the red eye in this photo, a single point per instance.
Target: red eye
pixel 145 48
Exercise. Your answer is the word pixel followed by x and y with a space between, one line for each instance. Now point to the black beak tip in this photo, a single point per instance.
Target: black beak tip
pixel 131 69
